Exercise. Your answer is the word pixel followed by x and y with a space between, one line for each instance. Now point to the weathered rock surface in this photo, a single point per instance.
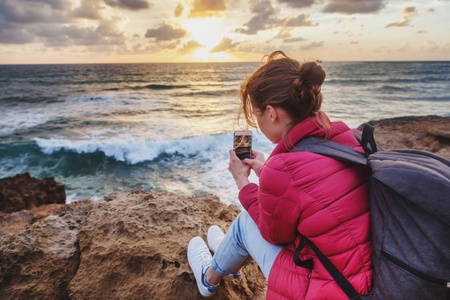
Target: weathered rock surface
pixel 429 133
pixel 133 246
pixel 24 192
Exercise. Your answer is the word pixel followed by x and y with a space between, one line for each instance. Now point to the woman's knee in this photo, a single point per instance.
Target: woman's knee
pixel 243 216
pixel 241 222
pixel 243 226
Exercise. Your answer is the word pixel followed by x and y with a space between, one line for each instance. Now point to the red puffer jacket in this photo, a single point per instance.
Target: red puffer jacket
pixel 318 197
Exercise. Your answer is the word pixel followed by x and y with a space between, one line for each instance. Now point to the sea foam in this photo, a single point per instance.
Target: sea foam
pixel 133 151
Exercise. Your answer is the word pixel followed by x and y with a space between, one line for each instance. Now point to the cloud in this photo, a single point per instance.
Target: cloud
pixel 294 40
pixel 283 33
pixel 312 45
pixel 47 21
pixel 107 32
pixel 407 13
pixel 56 4
pixel 166 32
pixel 54 23
pixel 27 12
pixel 15 36
pixel 404 47
pixel 404 23
pixel 89 9
pixel 432 46
pixel 179 10
pixel 297 3
pixel 264 18
pixel 225 45
pixel 350 7
pixel 289 23
pixel 129 4
pixel 207 8
pixel 298 21
pixel 190 47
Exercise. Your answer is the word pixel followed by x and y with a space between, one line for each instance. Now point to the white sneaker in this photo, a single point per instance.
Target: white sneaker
pixel 199 259
pixel 215 236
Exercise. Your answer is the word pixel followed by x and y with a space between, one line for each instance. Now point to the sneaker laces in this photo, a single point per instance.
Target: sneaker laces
pixel 204 255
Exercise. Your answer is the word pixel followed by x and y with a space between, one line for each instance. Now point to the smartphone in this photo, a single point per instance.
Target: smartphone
pixel 242 144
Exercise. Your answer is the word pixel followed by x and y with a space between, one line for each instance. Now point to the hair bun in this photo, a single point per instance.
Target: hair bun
pixel 312 74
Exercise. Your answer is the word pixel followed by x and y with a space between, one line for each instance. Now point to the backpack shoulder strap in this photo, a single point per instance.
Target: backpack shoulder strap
pixel 339 151
pixel 330 149
pixel 343 282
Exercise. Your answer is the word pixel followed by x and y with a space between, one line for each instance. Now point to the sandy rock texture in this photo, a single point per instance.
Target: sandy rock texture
pixel 132 246
pixel 24 192
pixel 428 133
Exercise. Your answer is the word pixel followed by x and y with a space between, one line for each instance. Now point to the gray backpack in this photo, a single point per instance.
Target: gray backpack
pixel 410 219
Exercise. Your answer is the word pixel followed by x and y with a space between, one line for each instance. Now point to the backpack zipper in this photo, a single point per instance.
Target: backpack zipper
pixel 415 272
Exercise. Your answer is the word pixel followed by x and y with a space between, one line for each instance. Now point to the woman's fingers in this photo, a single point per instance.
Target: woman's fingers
pixel 239 170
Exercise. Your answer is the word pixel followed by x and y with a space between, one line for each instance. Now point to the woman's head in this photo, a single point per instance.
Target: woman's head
pixel 283 83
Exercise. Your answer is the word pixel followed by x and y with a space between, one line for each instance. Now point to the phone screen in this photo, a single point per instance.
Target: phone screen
pixel 243 144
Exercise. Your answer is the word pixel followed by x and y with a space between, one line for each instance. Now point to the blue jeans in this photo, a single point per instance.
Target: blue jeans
pixel 243 239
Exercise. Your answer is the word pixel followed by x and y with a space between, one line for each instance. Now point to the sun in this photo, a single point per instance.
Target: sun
pixel 203 55
pixel 206 31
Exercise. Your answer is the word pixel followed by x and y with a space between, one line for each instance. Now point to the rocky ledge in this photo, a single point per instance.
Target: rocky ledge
pixel 24 192
pixel 428 133
pixel 132 246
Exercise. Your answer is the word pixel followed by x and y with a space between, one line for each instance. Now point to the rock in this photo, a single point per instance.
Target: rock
pixel 24 192
pixel 429 133
pixel 131 247
pixel 440 130
pixel 17 221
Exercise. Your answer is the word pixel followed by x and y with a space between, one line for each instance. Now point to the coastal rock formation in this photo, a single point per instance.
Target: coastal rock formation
pixel 428 133
pixel 132 246
pixel 24 192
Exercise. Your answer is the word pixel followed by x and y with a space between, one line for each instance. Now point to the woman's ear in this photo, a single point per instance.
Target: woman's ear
pixel 273 114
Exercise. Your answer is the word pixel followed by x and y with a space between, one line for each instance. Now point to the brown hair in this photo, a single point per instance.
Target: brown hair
pixel 285 83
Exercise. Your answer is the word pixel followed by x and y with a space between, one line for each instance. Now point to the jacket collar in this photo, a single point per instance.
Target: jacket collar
pixel 306 128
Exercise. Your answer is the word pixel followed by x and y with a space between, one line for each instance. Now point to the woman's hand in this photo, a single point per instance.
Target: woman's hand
pixel 239 170
pixel 256 162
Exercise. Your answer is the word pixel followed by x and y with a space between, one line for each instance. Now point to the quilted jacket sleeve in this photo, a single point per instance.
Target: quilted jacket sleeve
pixel 273 205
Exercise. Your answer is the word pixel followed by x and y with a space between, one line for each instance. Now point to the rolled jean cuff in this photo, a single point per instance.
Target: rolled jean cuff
pixel 223 273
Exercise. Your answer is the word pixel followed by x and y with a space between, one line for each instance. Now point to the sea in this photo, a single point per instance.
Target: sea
pixel 167 127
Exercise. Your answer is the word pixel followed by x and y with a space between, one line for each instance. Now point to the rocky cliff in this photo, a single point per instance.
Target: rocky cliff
pixel 428 133
pixel 132 246
pixel 24 192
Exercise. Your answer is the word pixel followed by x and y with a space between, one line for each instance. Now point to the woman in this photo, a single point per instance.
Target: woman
pixel 299 194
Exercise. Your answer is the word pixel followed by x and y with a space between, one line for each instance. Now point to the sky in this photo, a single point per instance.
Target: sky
pixel 132 31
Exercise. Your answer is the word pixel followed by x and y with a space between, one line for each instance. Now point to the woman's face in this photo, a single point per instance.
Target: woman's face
pixel 266 126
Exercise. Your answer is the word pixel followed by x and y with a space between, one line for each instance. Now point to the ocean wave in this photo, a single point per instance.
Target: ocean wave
pixel 228 92
pixel 391 89
pixel 351 81
pixel 159 87
pixel 134 151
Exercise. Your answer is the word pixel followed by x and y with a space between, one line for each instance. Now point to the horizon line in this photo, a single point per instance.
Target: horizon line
pixel 204 62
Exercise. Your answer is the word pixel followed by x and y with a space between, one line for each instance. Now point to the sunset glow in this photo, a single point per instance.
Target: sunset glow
pixel 205 31
pixel 113 31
